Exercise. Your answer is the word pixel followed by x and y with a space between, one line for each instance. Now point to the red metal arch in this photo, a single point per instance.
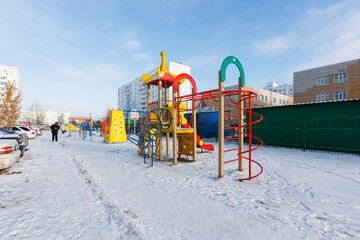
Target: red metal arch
pixel 184 76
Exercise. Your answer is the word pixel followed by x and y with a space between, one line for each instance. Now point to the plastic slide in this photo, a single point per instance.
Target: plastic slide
pixel 199 141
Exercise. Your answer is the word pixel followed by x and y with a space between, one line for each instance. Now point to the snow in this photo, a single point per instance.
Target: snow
pixel 86 189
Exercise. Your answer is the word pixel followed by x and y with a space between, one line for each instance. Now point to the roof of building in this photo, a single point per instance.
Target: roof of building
pixel 310 103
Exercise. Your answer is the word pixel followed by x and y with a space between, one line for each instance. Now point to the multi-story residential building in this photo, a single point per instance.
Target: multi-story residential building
pixel 334 82
pixel 64 118
pixel 284 89
pixel 133 94
pixel 40 117
pixel 263 98
pixel 8 74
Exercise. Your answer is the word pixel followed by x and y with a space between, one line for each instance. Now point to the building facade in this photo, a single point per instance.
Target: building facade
pixel 8 74
pixel 133 95
pixel 334 82
pixel 264 98
pixel 40 117
pixel 284 89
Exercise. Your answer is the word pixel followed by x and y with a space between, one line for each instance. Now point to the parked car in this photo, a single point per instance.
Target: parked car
pixel 14 137
pixel 23 135
pixel 31 134
pixel 9 153
pixel 45 127
pixel 37 130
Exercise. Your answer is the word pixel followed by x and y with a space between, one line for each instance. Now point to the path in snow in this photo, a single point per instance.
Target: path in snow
pixel 51 199
pixel 90 190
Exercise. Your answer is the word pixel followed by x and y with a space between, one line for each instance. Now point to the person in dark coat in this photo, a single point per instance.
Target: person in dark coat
pixel 54 130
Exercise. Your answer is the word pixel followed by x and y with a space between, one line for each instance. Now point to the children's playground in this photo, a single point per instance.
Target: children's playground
pixel 163 133
pixel 153 175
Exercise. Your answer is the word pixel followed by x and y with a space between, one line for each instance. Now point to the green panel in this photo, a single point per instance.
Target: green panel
pixel 331 126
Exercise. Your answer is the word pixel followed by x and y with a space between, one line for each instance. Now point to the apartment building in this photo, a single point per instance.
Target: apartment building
pixel 39 117
pixel 133 94
pixel 340 81
pixel 7 74
pixel 263 98
pixel 284 89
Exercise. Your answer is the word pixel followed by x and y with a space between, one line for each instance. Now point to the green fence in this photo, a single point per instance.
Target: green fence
pixel 333 126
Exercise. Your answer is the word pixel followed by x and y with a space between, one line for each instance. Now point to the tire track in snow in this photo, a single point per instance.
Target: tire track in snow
pixel 114 213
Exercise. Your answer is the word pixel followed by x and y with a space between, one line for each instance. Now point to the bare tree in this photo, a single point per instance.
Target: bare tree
pixel 10 108
pixel 39 118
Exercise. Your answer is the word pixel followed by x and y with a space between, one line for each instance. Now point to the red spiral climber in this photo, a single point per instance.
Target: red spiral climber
pixel 235 100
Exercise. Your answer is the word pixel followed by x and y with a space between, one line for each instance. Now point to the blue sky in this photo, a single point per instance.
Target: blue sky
pixel 73 55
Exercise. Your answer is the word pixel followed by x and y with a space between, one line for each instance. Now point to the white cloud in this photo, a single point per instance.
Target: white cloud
pixel 272 45
pixel 332 34
pixel 142 57
pixel 326 35
pixel 132 45
pixel 113 53
pixel 204 60
pixel 93 72
pixel 69 71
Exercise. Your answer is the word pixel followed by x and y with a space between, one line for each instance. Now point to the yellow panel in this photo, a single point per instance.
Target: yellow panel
pixel 73 128
pixel 186 145
pixel 116 132
pixel 185 130
pixel 181 113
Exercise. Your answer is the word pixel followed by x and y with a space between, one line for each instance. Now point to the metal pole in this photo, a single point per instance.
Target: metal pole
pixel 167 134
pixel 221 128
pixel 160 132
pixel 241 122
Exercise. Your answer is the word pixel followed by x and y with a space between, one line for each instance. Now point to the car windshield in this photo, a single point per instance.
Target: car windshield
pixel 24 128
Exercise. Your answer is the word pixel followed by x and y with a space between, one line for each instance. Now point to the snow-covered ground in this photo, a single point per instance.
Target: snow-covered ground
pixel 85 189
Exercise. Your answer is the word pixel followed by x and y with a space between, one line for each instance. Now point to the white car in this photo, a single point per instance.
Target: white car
pixel 37 130
pixel 31 134
pixel 23 135
pixel 9 153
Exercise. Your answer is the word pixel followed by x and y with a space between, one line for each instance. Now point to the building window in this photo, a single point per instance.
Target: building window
pixel 255 105
pixel 340 95
pixel 262 97
pixel 274 100
pixel 322 97
pixel 323 80
pixel 265 98
pixel 212 108
pixel 340 77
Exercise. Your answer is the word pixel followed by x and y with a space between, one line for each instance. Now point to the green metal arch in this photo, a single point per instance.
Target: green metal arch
pixel 234 60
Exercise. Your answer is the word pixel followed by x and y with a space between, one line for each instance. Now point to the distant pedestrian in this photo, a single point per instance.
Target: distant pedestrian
pixel 54 130
pixel 63 128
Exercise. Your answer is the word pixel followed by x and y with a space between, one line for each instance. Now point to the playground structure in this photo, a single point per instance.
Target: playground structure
pixel 157 121
pixel 147 130
pixel 131 118
pixel 85 126
pixel 185 139
pixel 86 130
pixel 115 127
pixel 73 128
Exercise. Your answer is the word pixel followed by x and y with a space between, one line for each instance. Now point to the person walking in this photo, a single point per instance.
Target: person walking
pixel 62 128
pixel 54 130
